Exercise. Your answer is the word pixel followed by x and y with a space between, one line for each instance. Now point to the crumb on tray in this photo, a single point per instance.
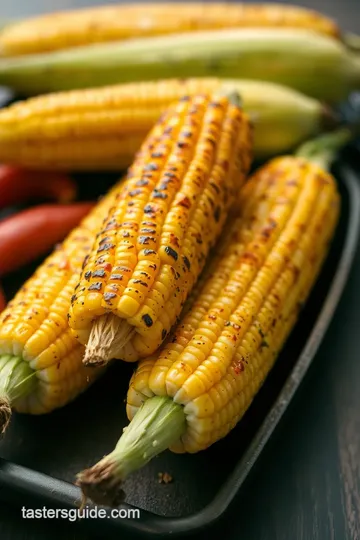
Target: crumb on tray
pixel 164 478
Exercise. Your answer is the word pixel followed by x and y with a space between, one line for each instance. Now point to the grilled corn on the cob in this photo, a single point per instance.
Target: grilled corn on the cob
pixel 40 360
pixel 196 389
pixel 110 23
pixel 64 130
pixel 319 66
pixel 156 238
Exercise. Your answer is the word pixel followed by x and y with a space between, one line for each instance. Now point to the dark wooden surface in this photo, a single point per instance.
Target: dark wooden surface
pixel 306 485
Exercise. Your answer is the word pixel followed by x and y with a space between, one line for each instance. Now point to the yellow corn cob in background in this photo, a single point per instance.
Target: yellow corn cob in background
pixel 40 360
pixel 197 388
pixel 103 128
pixel 317 65
pixel 111 23
pixel 155 240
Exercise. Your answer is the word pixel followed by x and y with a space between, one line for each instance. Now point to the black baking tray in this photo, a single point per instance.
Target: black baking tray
pixel 41 455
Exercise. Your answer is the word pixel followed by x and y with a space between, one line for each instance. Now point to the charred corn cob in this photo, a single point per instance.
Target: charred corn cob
pixel 317 65
pixel 111 23
pixel 63 130
pixel 40 360
pixel 155 240
pixel 197 388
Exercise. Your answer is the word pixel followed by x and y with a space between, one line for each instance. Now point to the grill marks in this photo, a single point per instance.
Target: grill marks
pixel 197 196
pixel 102 257
pixel 183 211
pixel 122 226
pixel 255 283
pixel 180 192
pixel 152 187
pixel 172 163
pixel 218 135
pixel 220 273
pixel 236 348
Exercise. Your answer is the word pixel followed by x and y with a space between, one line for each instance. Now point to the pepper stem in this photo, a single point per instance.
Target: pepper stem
pixel 323 149
pixel 17 380
pixel 158 424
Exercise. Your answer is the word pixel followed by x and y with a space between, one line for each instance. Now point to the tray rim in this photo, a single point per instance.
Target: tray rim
pixel 24 481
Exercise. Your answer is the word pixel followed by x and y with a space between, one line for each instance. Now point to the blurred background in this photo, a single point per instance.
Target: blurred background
pixel 307 484
pixel 342 10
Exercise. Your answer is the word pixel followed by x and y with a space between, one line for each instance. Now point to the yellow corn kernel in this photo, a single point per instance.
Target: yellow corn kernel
pixel 156 238
pixel 34 326
pixel 246 303
pixel 112 23
pixel 103 128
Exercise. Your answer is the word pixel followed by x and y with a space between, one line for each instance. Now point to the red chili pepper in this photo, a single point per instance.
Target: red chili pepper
pixel 18 185
pixel 32 233
pixel 2 300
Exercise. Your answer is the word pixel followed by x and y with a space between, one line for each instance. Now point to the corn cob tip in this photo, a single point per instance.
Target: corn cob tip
pixel 109 334
pixel 5 413
pixel 159 423
pixel 99 485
